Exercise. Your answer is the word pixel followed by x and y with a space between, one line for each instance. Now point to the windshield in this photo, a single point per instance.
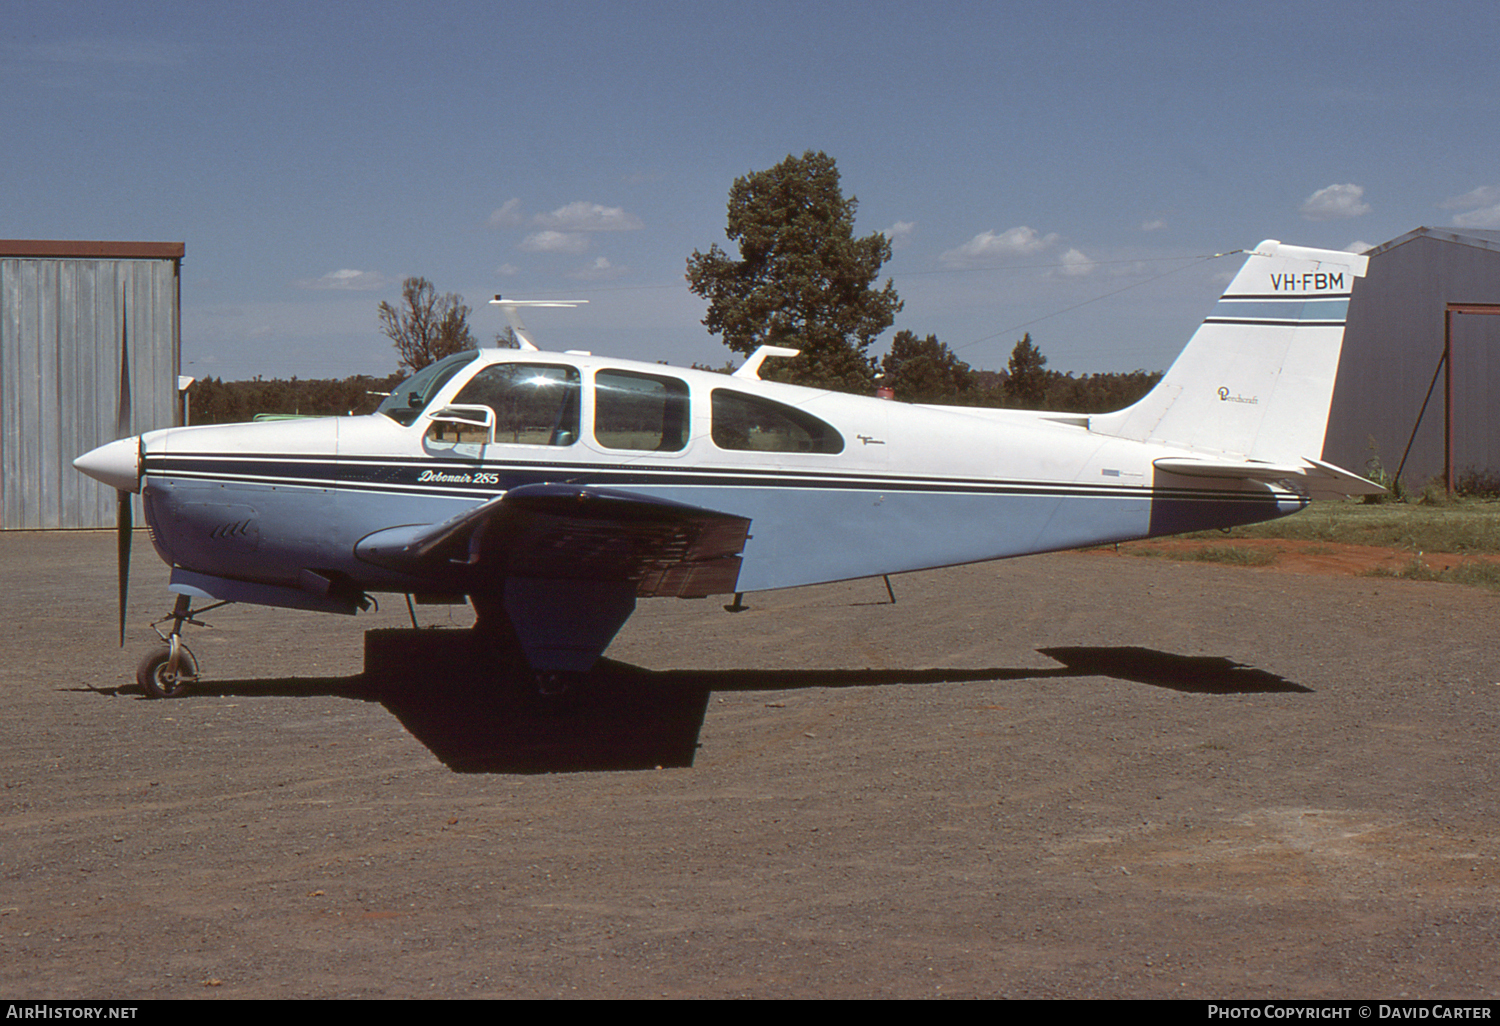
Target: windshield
pixel 412 396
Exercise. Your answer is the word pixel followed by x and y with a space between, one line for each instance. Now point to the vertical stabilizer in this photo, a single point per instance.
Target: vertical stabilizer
pixel 1256 380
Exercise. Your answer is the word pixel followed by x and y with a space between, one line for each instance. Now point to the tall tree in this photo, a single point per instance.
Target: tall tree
pixel 427 326
pixel 802 280
pixel 924 370
pixel 1027 384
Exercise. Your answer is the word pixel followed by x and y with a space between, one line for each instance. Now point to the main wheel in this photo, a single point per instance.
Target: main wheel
pixel 155 677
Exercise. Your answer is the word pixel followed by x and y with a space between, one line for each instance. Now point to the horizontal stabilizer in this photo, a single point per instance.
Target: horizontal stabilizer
pixel 1318 479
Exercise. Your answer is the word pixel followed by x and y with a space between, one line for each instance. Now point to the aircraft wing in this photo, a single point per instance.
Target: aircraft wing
pixel 1318 479
pixel 568 532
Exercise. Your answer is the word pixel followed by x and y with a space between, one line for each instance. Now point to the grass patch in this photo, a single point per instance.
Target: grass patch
pixel 1479 575
pixel 1233 555
pixel 1464 525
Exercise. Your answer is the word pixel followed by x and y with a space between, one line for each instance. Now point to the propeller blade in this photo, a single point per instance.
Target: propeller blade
pixel 122 417
pixel 123 525
pixel 123 510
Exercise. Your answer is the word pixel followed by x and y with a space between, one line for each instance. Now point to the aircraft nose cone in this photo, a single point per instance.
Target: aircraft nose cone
pixel 116 464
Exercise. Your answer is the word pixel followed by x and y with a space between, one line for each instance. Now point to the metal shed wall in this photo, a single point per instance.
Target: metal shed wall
pixel 1392 345
pixel 62 307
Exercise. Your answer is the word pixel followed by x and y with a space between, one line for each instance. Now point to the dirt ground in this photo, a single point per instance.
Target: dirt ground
pixel 1080 775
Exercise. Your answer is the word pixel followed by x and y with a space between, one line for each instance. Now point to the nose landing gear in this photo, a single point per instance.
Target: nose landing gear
pixel 168 670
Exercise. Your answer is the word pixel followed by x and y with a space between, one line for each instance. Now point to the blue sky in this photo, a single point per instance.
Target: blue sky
pixel 1061 168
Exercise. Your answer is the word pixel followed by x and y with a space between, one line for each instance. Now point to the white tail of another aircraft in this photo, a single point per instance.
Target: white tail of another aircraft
pixel 1255 382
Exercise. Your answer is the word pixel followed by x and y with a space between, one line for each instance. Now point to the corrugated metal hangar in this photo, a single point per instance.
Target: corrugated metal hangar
pixel 70 314
pixel 1428 293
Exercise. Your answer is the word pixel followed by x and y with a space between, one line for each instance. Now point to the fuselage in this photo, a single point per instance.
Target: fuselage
pixel 835 486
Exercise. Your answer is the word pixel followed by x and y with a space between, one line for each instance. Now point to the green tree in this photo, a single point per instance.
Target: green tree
pixel 427 326
pixel 1097 393
pixel 1027 384
pixel 802 279
pixel 924 370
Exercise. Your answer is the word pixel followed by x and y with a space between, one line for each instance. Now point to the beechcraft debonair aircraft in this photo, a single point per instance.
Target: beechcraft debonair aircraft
pixel 554 489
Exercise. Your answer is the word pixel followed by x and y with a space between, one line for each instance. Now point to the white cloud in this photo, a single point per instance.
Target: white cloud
pixel 1153 226
pixel 507 214
pixel 1075 264
pixel 899 234
pixel 987 247
pixel 1485 217
pixel 1335 202
pixel 600 270
pixel 1484 196
pixel 1482 206
pixel 568 230
pixel 1359 246
pixel 555 242
pixel 346 280
pixel 507 270
pixel 582 216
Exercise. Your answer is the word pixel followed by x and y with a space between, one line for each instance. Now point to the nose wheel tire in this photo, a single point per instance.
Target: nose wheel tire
pixel 155 675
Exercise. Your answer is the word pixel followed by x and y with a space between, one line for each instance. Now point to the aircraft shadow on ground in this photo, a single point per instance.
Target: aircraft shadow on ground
pixel 445 689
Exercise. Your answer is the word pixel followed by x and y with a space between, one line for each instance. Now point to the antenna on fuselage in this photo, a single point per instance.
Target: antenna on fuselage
pixel 512 308
pixel 750 369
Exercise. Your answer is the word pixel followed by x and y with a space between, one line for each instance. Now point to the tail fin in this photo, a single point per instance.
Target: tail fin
pixel 1256 380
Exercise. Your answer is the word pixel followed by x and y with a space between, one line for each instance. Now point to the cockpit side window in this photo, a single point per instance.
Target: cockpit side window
pixel 534 403
pixel 750 423
pixel 644 412
pixel 411 398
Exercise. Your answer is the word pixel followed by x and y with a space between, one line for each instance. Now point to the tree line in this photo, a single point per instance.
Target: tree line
pixel 927 371
pixel 214 401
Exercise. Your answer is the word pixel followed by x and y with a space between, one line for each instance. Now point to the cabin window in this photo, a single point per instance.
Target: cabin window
pixel 534 403
pixel 644 412
pixel 749 423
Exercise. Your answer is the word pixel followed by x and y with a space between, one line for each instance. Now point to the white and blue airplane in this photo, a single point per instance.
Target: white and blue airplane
pixel 554 489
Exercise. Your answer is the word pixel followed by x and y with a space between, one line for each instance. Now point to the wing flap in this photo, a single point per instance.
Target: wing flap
pixel 666 548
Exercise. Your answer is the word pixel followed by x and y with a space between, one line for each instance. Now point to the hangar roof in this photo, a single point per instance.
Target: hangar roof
pixel 92 250
pixel 1479 238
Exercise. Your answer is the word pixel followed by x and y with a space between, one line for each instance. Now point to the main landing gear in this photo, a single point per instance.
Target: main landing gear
pixel 168 670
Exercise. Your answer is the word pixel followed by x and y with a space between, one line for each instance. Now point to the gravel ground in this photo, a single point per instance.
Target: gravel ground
pixel 1078 775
